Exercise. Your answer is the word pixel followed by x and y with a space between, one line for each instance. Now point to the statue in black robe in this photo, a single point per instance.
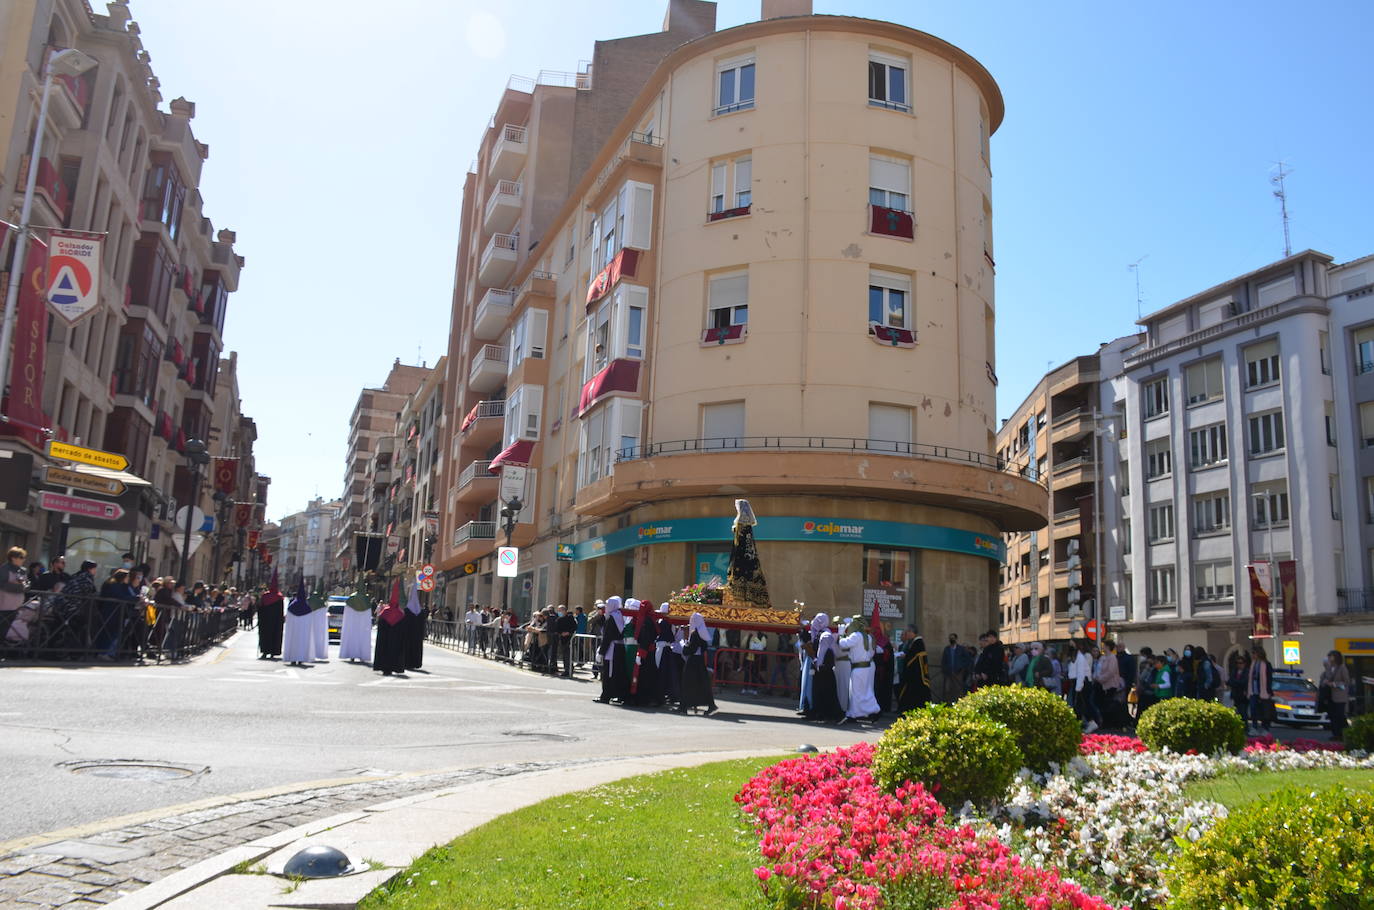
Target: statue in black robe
pixel 915 691
pixel 744 582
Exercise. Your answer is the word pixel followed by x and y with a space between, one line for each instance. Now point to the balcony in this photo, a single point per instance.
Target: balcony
pixel 493 311
pixel 488 371
pixel 508 153
pixel 476 483
pixel 498 260
pixel 1070 425
pixel 48 189
pixel 474 530
pixel 484 423
pixel 503 207
pixel 1073 472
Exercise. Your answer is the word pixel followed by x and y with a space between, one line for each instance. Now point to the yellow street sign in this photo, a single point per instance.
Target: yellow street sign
pixel 1292 653
pixel 61 477
pixel 84 455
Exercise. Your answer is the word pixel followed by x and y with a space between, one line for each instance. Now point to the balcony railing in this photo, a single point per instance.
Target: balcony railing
pixel 488 355
pixel 474 530
pixel 1355 600
pixel 478 469
pixel 483 409
pixel 827 443
pixel 1066 464
pixel 1067 515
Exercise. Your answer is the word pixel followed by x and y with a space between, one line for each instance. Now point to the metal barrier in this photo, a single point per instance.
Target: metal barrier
pixel 756 672
pixel 522 646
pixel 86 627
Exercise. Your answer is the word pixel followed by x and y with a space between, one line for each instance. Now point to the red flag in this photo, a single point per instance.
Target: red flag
pixel 226 474
pixel 1288 579
pixel 1259 601
pixel 24 405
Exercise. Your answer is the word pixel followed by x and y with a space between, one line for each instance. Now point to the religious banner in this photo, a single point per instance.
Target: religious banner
pixel 253 537
pixel 74 274
pixel 243 514
pixel 24 405
pixel 1260 585
pixel 226 474
pixel 1288 581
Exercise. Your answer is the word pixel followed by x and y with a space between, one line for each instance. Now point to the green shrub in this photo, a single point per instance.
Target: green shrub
pixel 1360 733
pixel 1295 849
pixel 1186 724
pixel 960 756
pixel 1043 724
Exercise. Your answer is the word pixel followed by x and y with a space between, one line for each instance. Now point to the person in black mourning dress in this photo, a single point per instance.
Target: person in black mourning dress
pixel 413 630
pixel 615 676
pixel 915 678
pixel 825 699
pixel 696 682
pixel 271 620
pixel 669 661
pixel 644 677
pixel 389 654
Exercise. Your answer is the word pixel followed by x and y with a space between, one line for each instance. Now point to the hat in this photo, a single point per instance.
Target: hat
pixel 87 564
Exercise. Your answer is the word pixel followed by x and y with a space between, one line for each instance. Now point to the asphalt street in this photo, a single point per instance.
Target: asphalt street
pixel 242 724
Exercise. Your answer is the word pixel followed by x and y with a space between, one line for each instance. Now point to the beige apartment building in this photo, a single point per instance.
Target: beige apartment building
pixel 141 375
pixel 773 280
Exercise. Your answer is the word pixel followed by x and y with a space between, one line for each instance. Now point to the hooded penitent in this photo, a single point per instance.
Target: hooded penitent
pixel 300 605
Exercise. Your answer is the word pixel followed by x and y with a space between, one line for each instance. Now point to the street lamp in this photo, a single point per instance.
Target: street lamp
pixel 66 62
pixel 509 513
pixel 197 457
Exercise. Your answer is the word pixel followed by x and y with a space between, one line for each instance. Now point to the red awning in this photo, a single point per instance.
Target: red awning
pixel 616 376
pixel 517 453
pixel 624 265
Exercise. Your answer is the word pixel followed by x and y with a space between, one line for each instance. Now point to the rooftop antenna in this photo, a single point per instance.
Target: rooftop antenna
pixel 1134 268
pixel 1282 196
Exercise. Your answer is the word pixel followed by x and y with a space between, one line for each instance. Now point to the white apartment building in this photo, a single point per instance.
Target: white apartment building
pixel 1244 430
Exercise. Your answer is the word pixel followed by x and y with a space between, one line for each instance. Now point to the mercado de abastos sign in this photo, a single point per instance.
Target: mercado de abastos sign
pixel 797 528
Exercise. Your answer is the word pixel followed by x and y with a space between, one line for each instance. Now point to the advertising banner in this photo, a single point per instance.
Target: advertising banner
pixel 74 274
pixel 24 405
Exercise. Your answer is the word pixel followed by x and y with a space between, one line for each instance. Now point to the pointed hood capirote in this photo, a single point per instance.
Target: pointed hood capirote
pixel 273 595
pixel 300 604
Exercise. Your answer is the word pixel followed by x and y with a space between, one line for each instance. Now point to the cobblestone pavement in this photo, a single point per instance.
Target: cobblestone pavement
pixel 104 867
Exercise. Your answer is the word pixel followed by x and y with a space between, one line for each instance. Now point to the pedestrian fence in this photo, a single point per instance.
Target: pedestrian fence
pixel 86 627
pixel 756 672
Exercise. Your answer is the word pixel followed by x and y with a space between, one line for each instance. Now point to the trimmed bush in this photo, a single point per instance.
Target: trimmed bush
pixel 958 755
pixel 1360 733
pixel 1295 849
pixel 1042 723
pixel 1189 725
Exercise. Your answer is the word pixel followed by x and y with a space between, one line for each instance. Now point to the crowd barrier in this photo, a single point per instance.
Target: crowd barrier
pixel 84 627
pixel 519 647
pixel 759 672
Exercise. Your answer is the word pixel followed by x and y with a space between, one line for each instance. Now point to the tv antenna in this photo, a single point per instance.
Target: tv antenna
pixel 1281 195
pixel 1134 269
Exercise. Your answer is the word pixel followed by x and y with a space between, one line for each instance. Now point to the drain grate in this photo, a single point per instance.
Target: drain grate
pixel 132 769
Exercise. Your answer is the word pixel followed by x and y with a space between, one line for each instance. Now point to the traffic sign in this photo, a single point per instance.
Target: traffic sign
pixel 427 584
pixel 1292 653
pixel 507 558
pixel 91 483
pixel 426 569
pixel 86 508
pixel 1095 630
pixel 68 452
pixel 197 518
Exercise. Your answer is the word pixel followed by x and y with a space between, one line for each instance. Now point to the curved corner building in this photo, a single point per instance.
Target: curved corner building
pixel 773 280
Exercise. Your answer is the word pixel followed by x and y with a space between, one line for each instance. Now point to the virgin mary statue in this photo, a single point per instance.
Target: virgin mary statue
pixel 744 584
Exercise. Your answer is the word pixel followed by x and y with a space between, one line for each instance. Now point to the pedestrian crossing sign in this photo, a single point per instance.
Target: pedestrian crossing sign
pixel 1292 653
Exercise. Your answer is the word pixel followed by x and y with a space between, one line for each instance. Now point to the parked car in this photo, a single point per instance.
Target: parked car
pixel 1295 700
pixel 336 614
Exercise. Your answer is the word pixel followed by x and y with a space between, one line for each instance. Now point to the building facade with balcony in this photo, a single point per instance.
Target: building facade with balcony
pixel 304 538
pixel 140 374
pixel 767 283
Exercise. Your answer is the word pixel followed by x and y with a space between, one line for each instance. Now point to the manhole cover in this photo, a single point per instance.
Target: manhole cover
pixel 133 769
pixel 554 737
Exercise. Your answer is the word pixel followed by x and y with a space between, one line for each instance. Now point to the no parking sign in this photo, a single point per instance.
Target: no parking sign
pixel 507 558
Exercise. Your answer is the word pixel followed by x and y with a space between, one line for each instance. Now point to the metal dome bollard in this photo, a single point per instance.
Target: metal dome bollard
pixel 318 862
pixel 807 747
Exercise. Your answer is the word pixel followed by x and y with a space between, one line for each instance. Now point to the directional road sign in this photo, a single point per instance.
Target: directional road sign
pixel 507 558
pixel 61 477
pixel 68 452
pixel 86 508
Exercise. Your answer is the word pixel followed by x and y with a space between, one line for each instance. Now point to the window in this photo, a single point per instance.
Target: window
pixel 1158 458
pixel 1126 537
pixel 1161 522
pixel 626 220
pixel 729 300
pixel 1203 381
pixel 1207 446
pixel 1270 502
pixel 722 425
pixel 1369 500
pixel 1266 433
pixel 599 340
pixel 1330 410
pixel 529 337
pixel 1364 350
pixel 889 296
pixel 634 329
pixel 1367 423
pixel 1161 590
pixel 731 187
pixel 734 85
pixel 889 182
pixel 1324 351
pixel 889 428
pixel 1333 487
pixel 608 432
pixel 1261 364
pixel 1276 291
pixel 1213 581
pixel 1211 512
pixel 523 408
pixel 1156 397
pixel 887 81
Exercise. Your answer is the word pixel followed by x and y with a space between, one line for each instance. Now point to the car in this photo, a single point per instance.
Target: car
pixel 1295 700
pixel 336 606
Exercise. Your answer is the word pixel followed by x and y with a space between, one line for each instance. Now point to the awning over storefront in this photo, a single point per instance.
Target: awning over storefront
pixel 516 454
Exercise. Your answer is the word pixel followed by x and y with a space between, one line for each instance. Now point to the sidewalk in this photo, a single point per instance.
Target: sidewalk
pixel 380 840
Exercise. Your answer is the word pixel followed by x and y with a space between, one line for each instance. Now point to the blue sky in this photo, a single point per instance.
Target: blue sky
pixel 339 135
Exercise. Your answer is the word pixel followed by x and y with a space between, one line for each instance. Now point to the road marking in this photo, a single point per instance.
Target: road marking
pixel 435 711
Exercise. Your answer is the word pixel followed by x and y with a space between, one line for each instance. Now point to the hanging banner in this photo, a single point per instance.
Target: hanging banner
pixel 253 539
pixel 226 474
pixel 1288 581
pixel 243 514
pixel 74 274
pixel 1259 600
pixel 24 405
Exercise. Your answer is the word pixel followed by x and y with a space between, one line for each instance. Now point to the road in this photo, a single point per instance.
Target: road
pixel 251 724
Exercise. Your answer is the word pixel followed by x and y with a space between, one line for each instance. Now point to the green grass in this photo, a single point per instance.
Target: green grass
pixel 670 840
pixel 1235 790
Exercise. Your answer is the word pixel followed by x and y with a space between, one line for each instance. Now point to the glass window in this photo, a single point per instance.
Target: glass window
pixel 729 300
pixel 1156 397
pixel 887 81
pixel 1330 413
pixel 1213 581
pixel 731 185
pixel 889 428
pixel 1158 458
pixel 1261 364
pixel 1270 502
pixel 888 298
pixel 1367 423
pixel 1161 522
pixel 722 424
pixel 889 182
pixel 1161 590
pixel 887 583
pixel 734 86
pixel 1211 512
pixel 1203 381
pixel 1364 350
pixel 1266 433
pixel 1207 446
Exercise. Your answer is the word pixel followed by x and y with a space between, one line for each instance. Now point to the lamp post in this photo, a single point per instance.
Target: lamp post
pixel 509 513
pixel 197 456
pixel 66 62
